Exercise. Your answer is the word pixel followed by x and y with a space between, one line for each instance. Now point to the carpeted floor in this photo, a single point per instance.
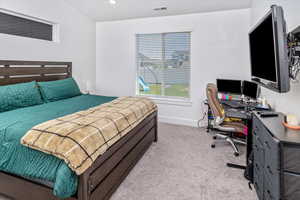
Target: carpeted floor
pixel 182 166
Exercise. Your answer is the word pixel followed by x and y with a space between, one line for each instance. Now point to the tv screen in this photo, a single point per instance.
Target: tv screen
pixel 268 52
pixel 263 51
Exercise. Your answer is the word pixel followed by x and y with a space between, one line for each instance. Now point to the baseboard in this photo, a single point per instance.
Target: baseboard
pixel 181 121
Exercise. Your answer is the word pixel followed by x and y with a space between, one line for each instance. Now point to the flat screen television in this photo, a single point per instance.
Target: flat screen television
pixel 269 52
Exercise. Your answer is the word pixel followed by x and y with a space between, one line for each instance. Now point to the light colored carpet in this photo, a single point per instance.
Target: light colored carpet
pixel 182 166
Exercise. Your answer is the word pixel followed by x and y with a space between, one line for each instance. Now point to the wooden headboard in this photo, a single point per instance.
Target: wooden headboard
pixel 12 72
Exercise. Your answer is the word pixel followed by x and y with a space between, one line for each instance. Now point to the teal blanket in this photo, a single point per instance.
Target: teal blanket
pixel 23 161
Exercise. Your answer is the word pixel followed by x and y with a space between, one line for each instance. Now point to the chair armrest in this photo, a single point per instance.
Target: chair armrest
pixel 226 129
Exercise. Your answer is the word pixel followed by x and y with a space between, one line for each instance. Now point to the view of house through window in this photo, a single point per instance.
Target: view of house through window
pixel 164 64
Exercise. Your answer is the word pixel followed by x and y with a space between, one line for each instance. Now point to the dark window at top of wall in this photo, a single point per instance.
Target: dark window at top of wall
pixel 14 25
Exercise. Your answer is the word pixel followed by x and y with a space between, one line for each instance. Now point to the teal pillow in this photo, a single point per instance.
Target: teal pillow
pixel 19 96
pixel 57 90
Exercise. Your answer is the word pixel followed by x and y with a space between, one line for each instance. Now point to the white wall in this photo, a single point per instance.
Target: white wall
pixel 219 49
pixel 77 37
pixel 287 103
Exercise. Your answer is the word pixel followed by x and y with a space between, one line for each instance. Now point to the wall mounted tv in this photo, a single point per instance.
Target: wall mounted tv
pixel 269 51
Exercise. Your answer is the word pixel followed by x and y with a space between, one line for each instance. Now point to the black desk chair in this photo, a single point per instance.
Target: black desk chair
pixel 227 130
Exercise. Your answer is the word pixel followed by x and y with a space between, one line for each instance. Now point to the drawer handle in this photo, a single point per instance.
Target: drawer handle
pixel 256 165
pixel 267 144
pixel 269 193
pixel 269 169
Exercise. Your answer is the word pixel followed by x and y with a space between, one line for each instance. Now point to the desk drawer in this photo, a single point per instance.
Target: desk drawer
pixel 259 182
pixel 291 186
pixel 272 154
pixel 291 158
pixel 258 152
pixel 257 138
pixel 270 193
pixel 258 127
pixel 272 180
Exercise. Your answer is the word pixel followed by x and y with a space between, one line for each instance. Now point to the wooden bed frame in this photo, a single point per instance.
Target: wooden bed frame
pixel 108 171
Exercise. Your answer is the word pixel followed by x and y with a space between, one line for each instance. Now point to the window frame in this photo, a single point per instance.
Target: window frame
pixel 55 26
pixel 176 100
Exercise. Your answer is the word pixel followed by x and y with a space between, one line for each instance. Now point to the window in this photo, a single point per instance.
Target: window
pixel 164 64
pixel 15 24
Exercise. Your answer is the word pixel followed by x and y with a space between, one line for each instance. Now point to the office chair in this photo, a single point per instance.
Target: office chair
pixel 226 129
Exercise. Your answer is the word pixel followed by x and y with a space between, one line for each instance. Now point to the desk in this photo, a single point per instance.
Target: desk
pixel 276 159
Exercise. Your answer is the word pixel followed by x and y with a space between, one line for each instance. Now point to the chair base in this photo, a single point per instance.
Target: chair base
pixel 235 166
pixel 230 140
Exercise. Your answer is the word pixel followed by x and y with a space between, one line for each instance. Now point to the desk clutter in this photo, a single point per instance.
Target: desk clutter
pixel 241 94
pixel 291 122
pixel 245 105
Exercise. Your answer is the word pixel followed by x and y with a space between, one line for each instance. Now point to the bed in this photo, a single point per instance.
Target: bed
pixel 107 172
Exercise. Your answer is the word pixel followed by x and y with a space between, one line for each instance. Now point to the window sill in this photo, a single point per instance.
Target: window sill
pixel 170 101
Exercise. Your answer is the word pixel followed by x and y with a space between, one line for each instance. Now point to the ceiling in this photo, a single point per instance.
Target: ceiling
pixel 102 10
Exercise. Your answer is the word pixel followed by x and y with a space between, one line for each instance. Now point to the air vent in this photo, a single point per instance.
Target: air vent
pixel 160 9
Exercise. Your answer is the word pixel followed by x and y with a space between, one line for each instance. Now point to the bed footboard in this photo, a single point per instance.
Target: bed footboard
pixel 107 173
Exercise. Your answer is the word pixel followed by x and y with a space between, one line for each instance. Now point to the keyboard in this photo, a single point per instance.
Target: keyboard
pixel 236 114
pixel 238 104
pixel 234 104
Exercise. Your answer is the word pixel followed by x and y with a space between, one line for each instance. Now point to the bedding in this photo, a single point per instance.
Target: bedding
pixel 19 96
pixel 80 138
pixel 57 90
pixel 23 161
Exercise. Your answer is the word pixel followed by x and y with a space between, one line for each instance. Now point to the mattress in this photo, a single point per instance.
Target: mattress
pixel 35 165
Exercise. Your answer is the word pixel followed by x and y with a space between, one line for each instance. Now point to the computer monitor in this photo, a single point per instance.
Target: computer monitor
pixel 250 89
pixel 229 86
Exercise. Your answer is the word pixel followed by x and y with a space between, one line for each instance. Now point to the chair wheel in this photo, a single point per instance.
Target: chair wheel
pixel 214 137
pixel 236 154
pixel 213 146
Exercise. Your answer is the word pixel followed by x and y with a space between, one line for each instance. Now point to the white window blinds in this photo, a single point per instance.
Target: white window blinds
pixel 164 64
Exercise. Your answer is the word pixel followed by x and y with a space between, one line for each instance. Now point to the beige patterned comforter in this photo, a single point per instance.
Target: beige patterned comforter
pixel 80 138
